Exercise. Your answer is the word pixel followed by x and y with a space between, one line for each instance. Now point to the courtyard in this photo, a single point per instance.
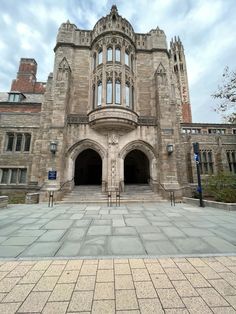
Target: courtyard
pixel 91 231
pixel 134 259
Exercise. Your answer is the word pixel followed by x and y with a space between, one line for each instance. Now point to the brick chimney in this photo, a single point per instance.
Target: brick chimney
pixel 26 81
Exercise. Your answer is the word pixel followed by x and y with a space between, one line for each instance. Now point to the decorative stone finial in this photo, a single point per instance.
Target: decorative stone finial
pixel 114 9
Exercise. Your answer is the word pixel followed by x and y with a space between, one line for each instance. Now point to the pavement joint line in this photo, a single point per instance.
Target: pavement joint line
pixel 105 257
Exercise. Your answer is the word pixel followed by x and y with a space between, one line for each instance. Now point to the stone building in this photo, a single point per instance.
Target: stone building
pixel 115 111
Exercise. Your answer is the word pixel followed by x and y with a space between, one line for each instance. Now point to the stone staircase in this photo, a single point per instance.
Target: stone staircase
pixel 93 194
pixel 139 193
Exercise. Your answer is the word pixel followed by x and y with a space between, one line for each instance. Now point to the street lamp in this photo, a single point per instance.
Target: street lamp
pixel 53 147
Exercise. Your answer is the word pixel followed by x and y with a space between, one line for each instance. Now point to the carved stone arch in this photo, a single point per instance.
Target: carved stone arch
pixel 160 74
pixel 80 146
pixel 64 64
pixel 143 146
pixel 64 70
pixel 160 69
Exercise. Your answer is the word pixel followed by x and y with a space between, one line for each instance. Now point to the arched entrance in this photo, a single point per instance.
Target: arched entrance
pixel 88 168
pixel 136 168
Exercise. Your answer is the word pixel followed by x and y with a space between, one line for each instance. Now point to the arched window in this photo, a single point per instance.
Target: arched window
pixel 117 92
pixel 99 98
pixel 127 94
pixel 100 56
pixel 117 57
pixel 126 58
pixel 109 91
pixel 109 54
pixel 94 60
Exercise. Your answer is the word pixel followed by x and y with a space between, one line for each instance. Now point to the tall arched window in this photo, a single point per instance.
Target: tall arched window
pixel 109 54
pixel 100 56
pixel 117 57
pixel 127 94
pixel 117 92
pixel 99 98
pixel 109 91
pixel 126 58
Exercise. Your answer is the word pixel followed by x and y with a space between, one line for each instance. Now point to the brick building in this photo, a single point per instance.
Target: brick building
pixel 114 112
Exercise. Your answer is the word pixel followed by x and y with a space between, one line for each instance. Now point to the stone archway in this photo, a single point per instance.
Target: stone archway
pixel 150 158
pixel 136 168
pixel 88 168
pixel 77 149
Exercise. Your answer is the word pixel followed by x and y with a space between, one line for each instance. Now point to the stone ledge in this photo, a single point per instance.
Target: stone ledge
pixel 32 198
pixel 220 205
pixel 3 201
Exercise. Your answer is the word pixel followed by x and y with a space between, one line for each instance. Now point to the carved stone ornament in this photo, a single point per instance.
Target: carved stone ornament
pixel 63 70
pixel 160 69
pixel 113 139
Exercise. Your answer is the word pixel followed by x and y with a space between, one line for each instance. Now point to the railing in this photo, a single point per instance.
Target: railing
pixel 110 194
pixel 63 184
pixel 172 192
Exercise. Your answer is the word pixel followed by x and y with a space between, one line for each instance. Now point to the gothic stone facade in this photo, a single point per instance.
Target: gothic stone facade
pixel 116 106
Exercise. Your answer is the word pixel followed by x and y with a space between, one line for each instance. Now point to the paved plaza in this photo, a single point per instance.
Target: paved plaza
pixel 76 230
pixel 125 260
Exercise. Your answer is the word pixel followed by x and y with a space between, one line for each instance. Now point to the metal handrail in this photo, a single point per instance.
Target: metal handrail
pixel 65 184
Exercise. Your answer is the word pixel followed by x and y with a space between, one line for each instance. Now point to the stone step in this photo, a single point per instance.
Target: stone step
pixel 93 194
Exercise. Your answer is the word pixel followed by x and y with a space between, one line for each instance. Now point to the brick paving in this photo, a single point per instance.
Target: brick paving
pixel 106 286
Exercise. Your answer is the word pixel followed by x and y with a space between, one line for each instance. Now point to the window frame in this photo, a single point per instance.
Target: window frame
pixel 109 92
pixel 109 54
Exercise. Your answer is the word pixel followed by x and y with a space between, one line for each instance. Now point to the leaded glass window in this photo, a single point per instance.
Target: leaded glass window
pixel 117 92
pixel 109 91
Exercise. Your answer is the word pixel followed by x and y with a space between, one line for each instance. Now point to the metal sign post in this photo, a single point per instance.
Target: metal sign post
pixel 196 157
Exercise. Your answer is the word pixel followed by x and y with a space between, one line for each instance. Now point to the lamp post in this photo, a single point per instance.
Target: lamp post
pixel 196 157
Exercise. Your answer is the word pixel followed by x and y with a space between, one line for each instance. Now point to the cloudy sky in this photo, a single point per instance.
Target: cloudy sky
pixel 207 28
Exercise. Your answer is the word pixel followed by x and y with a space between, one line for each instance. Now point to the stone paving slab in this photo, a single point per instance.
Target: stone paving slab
pixel 119 285
pixel 133 229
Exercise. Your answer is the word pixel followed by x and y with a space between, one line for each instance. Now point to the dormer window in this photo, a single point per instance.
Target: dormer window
pixel 15 97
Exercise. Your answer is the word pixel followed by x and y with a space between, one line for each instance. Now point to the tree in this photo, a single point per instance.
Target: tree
pixel 226 93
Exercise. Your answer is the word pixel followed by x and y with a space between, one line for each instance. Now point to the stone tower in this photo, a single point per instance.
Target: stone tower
pixel 180 70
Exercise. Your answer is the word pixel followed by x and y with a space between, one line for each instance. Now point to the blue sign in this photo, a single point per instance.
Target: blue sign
pixel 196 157
pixel 52 175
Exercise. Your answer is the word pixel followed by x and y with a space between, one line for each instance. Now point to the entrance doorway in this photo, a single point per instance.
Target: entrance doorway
pixel 88 168
pixel 136 168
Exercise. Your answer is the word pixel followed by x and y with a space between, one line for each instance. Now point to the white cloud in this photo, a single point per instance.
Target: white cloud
pixel 206 28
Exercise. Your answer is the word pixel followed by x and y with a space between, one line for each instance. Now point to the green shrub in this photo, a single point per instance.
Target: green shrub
pixel 220 187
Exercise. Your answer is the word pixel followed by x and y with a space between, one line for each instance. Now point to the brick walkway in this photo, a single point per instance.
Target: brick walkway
pixel 168 285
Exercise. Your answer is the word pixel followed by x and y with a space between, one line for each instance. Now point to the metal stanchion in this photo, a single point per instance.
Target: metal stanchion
pixel 109 201
pixel 118 197
pixel 50 200
pixel 172 198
